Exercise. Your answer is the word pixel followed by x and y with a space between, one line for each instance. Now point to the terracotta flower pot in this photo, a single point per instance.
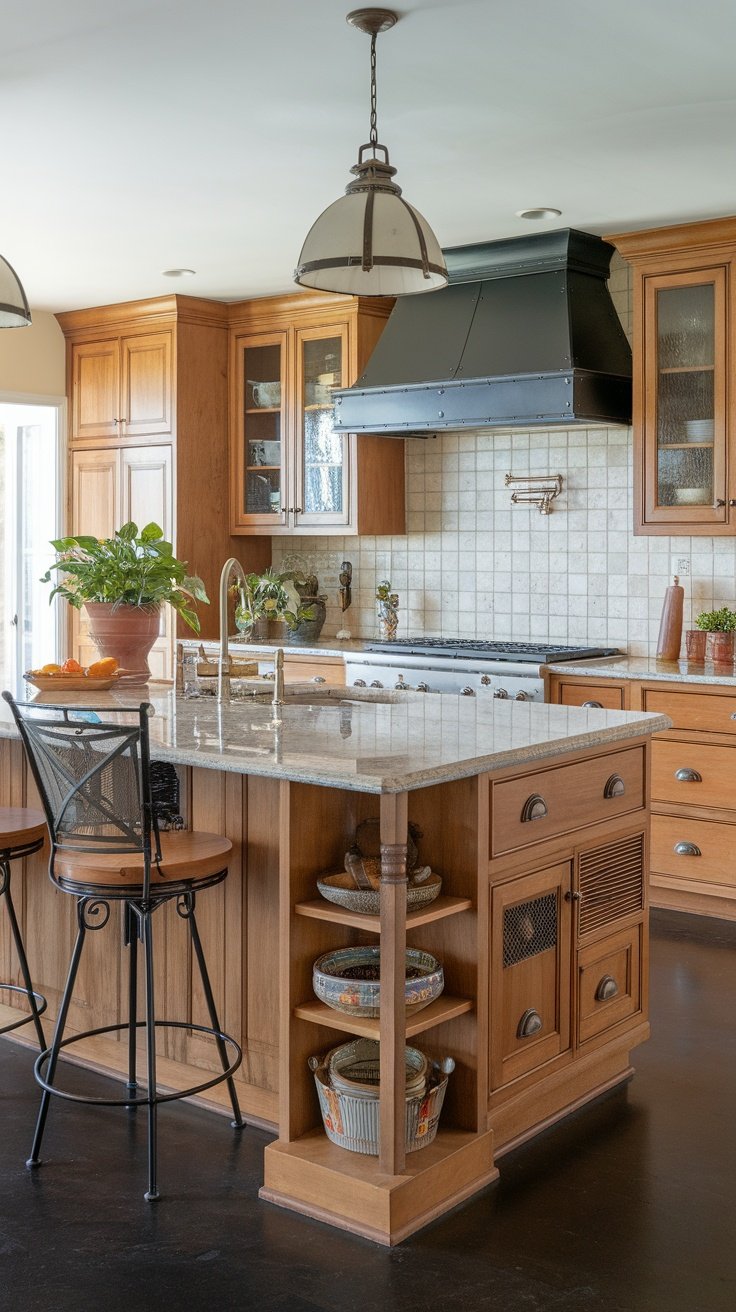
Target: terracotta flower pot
pixel 695 645
pixel 719 648
pixel 127 633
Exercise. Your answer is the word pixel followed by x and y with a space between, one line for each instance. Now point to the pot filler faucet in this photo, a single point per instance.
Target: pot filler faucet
pixel 230 568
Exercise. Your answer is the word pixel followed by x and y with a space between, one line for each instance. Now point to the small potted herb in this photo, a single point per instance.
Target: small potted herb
pixel 713 637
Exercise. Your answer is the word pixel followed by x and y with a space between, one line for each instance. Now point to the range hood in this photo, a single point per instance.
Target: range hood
pixel 524 335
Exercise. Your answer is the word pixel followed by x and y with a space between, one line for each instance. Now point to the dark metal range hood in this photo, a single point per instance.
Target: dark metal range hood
pixel 525 334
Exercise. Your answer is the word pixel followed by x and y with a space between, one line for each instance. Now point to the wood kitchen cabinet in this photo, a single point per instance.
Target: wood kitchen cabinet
pixel 147 391
pixel 292 470
pixel 684 352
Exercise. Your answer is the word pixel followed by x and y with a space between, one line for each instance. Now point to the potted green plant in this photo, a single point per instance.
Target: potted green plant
pixel 122 582
pixel 715 628
pixel 269 606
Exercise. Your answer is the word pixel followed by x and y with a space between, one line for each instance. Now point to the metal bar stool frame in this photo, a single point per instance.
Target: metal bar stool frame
pixel 36 1001
pixel 115 759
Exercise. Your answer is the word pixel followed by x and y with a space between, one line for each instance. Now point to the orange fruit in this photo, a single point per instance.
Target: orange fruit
pixel 51 668
pixel 71 667
pixel 102 669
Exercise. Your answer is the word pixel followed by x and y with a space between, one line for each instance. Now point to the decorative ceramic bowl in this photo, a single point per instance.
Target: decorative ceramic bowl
pixel 340 888
pixel 348 980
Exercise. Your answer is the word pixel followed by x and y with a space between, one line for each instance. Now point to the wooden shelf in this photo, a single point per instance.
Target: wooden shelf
pixel 336 915
pixel 684 446
pixel 444 1008
pixel 263 410
pixel 688 369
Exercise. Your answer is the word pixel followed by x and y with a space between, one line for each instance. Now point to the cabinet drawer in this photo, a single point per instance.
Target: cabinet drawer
pixel 311 669
pixel 693 773
pixel 706 850
pixel 693 710
pixel 609 982
pixel 567 797
pixel 591 694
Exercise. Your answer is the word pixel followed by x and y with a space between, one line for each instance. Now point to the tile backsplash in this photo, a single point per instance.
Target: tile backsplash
pixel 473 565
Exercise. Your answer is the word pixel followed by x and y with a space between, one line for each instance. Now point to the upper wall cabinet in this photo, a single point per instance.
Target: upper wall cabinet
pixel 291 470
pixel 121 388
pixel 684 398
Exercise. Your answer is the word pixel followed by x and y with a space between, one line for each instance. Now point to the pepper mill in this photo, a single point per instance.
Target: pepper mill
pixel 670 628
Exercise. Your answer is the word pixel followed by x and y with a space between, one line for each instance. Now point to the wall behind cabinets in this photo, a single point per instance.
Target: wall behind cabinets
pixel 473 564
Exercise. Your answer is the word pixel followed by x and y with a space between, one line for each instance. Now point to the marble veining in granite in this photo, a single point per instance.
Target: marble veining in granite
pixel 368 745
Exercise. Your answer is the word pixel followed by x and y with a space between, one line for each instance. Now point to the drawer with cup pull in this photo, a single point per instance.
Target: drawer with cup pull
pixel 609 982
pixel 699 851
pixel 693 773
pixel 607 696
pixel 559 799
pixel 707 712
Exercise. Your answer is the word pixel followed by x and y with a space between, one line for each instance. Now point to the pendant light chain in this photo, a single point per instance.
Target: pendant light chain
pixel 374 110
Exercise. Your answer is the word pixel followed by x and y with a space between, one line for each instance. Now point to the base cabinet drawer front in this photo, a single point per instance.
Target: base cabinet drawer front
pixel 555 801
pixel 701 851
pixel 709 712
pixel 299 669
pixel 609 982
pixel 590 694
pixel 693 773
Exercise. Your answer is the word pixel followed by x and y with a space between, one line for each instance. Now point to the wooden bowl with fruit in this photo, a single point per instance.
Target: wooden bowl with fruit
pixel 73 677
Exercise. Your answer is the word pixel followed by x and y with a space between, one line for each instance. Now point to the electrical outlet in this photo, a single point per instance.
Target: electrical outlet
pixel 681 566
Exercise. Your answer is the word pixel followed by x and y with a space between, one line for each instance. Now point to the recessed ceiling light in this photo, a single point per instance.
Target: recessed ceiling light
pixel 539 212
pixel 178 273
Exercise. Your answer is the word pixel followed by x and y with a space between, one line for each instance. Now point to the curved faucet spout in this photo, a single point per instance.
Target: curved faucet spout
pixel 231 566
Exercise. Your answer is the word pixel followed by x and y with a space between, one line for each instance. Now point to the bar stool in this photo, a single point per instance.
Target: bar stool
pixel 94 778
pixel 22 832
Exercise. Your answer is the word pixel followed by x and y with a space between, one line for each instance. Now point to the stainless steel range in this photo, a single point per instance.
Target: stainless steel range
pixel 462 665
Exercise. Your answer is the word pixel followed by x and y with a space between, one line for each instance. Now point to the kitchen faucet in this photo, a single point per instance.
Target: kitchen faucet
pixel 231 566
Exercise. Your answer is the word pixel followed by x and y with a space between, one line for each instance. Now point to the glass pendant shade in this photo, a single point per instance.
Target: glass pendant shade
pixel 14 311
pixel 405 256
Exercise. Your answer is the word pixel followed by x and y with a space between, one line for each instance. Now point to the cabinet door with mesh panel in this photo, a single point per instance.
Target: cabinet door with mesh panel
pixel 530 980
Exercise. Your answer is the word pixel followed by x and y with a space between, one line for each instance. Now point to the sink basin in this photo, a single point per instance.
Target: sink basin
pixel 301 695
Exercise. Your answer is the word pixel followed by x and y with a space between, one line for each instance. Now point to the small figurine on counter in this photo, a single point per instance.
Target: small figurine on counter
pixel 346 596
pixel 388 611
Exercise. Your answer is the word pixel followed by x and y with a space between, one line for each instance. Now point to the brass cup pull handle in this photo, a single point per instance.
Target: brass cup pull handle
pixel 614 786
pixel 687 849
pixel 530 1023
pixel 607 988
pixel 688 776
pixel 534 808
pixel 598 705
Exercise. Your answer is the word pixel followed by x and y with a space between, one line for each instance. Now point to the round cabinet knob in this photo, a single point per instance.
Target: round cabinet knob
pixel 468 691
pixel 485 680
pixel 422 687
pixel 359 683
pixel 502 693
pixel 598 705
pixel 400 684
pixel 318 678
pixel 376 683
pixel 521 696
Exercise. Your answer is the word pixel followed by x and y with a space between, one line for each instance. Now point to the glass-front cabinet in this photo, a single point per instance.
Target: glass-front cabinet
pixel 684 353
pixel 292 471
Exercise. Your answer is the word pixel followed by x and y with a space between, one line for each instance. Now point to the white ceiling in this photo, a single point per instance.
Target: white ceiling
pixel 141 135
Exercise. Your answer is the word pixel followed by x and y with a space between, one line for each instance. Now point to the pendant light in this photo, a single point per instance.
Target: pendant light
pixel 371 242
pixel 14 311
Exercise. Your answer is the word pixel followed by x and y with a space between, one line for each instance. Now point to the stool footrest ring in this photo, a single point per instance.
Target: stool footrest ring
pixel 41 1005
pixel 148 1100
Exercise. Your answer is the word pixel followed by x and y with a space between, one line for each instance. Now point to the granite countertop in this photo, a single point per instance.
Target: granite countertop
pixel 400 742
pixel 642 667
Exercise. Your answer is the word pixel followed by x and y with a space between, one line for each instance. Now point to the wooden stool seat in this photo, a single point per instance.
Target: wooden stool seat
pixel 187 858
pixel 19 826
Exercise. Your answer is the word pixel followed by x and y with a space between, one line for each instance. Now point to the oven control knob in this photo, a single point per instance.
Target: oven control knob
pixel 521 696
pixel 485 680
pixel 400 684
pixel 359 683
pixel 468 691
pixel 422 687
pixel 376 683
pixel 500 692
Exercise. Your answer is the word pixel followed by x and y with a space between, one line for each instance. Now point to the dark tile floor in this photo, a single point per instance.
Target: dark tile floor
pixel 629 1206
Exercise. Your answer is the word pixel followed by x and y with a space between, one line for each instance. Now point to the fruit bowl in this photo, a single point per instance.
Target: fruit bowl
pixel 70 682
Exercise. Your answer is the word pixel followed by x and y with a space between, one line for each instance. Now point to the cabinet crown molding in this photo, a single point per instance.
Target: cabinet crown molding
pixel 714 235
pixel 140 316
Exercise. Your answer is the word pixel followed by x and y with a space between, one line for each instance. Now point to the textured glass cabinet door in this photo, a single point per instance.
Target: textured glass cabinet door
pixel 263 465
pixel 322 466
pixel 686 397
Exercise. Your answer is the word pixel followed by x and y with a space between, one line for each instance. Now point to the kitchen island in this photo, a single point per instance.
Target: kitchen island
pixel 535 816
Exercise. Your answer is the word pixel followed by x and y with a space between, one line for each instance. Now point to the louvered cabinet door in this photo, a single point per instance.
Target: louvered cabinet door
pixel 611 937
pixel 530 981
